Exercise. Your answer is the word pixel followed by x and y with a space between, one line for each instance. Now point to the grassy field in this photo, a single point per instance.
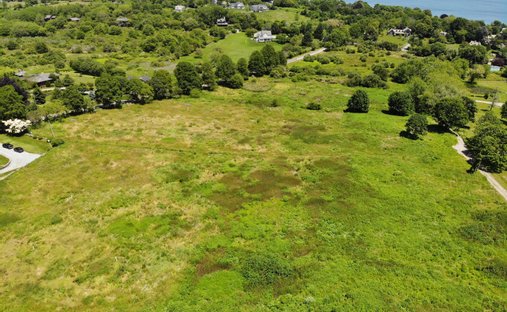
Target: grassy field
pixel 224 203
pixel 288 15
pixel 235 46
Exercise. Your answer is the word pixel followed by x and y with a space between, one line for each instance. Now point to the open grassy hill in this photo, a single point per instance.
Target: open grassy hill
pixel 223 203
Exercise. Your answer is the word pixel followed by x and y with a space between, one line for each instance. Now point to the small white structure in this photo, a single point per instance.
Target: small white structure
pixel 475 43
pixel 222 22
pixel 237 6
pixel 264 36
pixel 74 19
pixel 400 32
pixel 179 8
pixel 443 33
pixel 259 8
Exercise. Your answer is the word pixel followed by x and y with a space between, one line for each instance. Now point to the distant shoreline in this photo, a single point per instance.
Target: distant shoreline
pixel 488 11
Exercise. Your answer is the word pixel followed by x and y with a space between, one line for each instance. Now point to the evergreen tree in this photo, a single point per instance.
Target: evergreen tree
pixel 271 59
pixel 225 69
pixel 242 67
pixel 256 64
pixel 11 104
pixel 319 32
pixel 359 102
pixel 504 111
pixel 307 36
pixel 38 96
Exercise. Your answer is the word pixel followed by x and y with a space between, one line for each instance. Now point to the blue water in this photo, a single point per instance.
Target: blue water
pixel 485 10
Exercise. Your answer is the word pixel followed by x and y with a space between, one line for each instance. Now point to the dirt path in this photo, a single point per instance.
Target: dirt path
pixel 302 56
pixel 461 148
pixel 497 104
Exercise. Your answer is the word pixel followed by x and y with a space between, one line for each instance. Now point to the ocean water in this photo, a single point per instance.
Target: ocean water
pixel 485 10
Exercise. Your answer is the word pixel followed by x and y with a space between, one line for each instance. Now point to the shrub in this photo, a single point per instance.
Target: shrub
pixel 56 142
pixel 359 102
pixel 313 106
pixel 417 125
pixel 263 270
pixel 400 103
pixel 236 81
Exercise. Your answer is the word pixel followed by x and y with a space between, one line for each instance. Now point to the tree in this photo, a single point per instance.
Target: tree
pixel 225 69
pixel 504 111
pixel 41 47
pixel 400 103
pixel 359 102
pixel 109 90
pixel 417 125
pixel 471 108
pixel 187 77
pixel 307 36
pixel 11 104
pixel 319 32
pixel 271 59
pixel 242 67
pixel 162 84
pixel 38 96
pixel 236 81
pixel 139 91
pixel 417 87
pixel 474 54
pixel 209 78
pixel 488 146
pixel 73 99
pixel 256 64
pixel 451 113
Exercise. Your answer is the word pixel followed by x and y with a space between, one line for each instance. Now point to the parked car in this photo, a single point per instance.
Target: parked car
pixel 19 149
pixel 7 145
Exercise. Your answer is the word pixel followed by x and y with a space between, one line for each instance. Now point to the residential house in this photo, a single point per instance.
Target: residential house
pixel 259 8
pixel 475 43
pixel 222 22
pixel 123 21
pixel 40 79
pixel 264 36
pixel 443 33
pixel 236 5
pixel 49 17
pixel 20 73
pixel 179 8
pixel 400 32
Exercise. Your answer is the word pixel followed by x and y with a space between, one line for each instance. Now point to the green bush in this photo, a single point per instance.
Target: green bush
pixel 313 106
pixel 263 270
pixel 56 142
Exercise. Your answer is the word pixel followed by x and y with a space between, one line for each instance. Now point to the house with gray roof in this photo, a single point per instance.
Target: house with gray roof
pixel 259 8
pixel 264 36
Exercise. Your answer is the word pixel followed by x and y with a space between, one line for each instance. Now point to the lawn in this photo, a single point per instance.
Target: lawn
pixel 3 161
pixel 224 203
pixel 235 46
pixel 288 15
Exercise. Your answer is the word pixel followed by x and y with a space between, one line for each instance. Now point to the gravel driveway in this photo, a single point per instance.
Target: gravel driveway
pixel 18 160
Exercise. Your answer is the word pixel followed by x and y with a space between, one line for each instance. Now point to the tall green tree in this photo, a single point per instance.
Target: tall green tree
pixel 400 103
pixel 359 102
pixel 504 111
pixel 488 146
pixel 417 125
pixel 225 69
pixel 242 67
pixel 162 84
pixel 187 77
pixel 271 59
pixel 451 113
pixel 109 90
pixel 38 96
pixel 11 104
pixel 256 64
pixel 73 99
pixel 209 78
pixel 139 92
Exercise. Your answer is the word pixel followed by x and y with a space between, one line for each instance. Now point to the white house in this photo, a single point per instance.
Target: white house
pixel 236 5
pixel 259 8
pixel 400 32
pixel 475 43
pixel 264 36
pixel 222 22
pixel 179 8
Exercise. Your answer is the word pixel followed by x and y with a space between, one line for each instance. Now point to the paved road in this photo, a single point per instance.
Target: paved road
pixel 18 160
pixel 302 56
pixel 461 149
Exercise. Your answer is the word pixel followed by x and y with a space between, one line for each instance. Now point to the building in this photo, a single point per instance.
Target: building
pixel 40 79
pixel 179 8
pixel 400 32
pixel 20 73
pixel 264 36
pixel 49 17
pixel 74 19
pixel 237 6
pixel 443 33
pixel 222 22
pixel 259 8
pixel 475 43
pixel 123 21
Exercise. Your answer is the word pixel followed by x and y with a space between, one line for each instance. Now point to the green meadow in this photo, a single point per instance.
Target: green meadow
pixel 245 200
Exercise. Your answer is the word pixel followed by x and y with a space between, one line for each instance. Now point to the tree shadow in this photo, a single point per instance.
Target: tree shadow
pixel 437 129
pixel 408 135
